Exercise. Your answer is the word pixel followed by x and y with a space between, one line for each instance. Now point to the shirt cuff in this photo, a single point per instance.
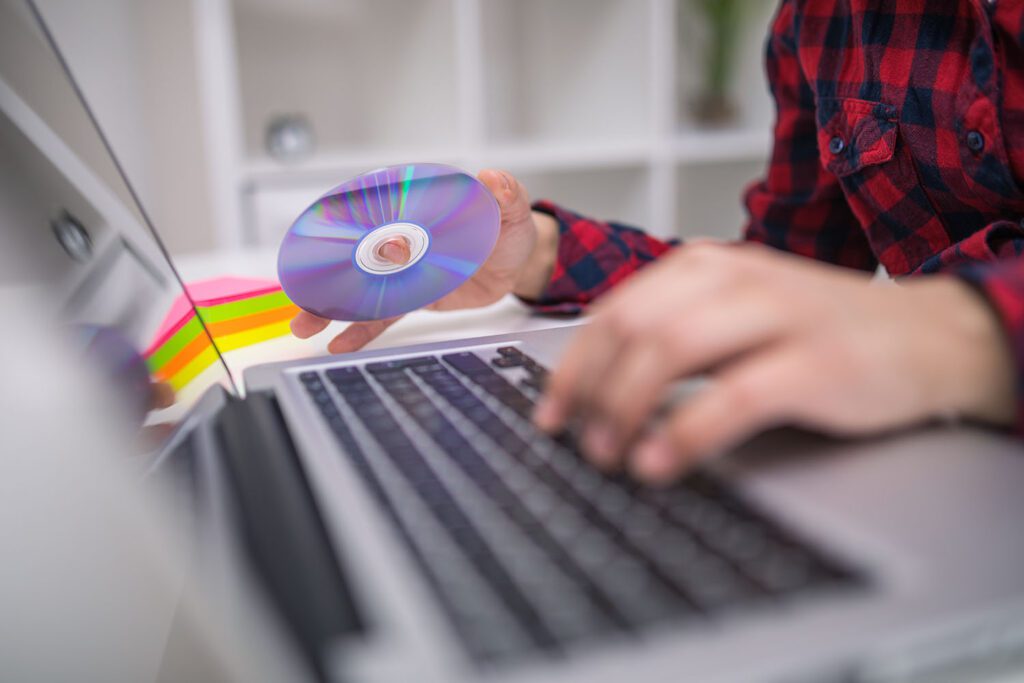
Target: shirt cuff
pixel 592 257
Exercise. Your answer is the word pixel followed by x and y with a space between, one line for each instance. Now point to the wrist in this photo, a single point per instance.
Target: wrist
pixel 536 273
pixel 981 378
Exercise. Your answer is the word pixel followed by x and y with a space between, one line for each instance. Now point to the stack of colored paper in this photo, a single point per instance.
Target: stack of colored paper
pixel 237 312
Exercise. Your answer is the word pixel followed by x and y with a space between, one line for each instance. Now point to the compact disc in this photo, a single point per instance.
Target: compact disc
pixel 331 263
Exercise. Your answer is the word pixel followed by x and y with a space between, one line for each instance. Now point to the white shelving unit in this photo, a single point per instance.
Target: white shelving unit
pixel 584 100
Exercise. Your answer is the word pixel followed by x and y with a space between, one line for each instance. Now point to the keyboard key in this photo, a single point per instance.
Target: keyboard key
pixel 400 364
pixel 309 378
pixel 467 362
pixel 384 366
pixel 506 362
pixel 537 371
pixel 344 374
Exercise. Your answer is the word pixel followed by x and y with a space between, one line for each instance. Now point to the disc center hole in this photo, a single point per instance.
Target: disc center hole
pixel 396 250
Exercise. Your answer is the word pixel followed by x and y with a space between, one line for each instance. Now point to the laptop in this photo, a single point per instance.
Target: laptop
pixel 400 519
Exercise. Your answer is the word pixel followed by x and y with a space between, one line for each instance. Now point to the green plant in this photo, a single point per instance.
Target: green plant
pixel 725 20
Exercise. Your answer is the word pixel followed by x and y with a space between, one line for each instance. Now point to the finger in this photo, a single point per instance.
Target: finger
pixel 636 308
pixel 517 233
pixel 572 381
pixel 552 409
pixel 696 342
pixel 396 251
pixel 755 393
pixel 498 182
pixel 161 395
pixel 514 205
pixel 590 356
pixel 510 194
pixel 305 324
pixel 625 401
pixel 358 335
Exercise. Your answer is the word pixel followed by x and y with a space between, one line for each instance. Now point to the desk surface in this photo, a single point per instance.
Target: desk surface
pixel 507 315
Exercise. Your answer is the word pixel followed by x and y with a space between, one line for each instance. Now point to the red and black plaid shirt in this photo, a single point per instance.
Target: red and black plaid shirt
pixel 899 141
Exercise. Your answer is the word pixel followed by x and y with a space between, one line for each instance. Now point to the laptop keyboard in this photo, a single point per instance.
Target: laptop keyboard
pixel 527 546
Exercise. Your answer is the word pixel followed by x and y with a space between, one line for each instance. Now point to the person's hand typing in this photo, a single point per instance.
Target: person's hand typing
pixel 521 262
pixel 785 341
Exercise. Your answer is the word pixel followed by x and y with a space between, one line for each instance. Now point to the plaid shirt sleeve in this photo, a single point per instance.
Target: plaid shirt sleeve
pixel 800 207
pixel 593 256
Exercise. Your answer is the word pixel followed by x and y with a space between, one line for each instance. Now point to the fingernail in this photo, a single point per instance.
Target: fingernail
pixel 599 443
pixel 653 459
pixel 506 182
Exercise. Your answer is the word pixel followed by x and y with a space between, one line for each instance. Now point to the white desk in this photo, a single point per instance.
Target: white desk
pixel 507 315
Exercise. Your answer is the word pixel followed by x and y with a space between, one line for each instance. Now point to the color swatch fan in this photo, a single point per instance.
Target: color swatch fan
pixel 332 260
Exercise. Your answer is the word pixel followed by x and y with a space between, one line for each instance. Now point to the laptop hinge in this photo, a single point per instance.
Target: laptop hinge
pixel 281 527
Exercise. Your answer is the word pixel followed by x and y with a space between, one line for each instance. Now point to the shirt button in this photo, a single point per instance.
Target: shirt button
pixel 975 141
pixel 836 145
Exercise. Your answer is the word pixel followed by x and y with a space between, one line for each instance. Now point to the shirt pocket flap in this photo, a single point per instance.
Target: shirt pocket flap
pixel 853 134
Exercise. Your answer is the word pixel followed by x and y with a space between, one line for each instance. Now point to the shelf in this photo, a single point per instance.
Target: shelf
pixel 556 156
pixel 326 62
pixel 688 147
pixel 608 194
pixel 265 171
pixel 565 69
pixel 726 145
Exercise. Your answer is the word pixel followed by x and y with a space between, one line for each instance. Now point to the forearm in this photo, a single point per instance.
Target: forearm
pixel 1002 284
pixel 965 351
pixel 989 261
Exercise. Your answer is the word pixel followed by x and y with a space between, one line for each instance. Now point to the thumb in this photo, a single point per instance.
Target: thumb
pixel 512 197
pixel 357 335
pixel 396 251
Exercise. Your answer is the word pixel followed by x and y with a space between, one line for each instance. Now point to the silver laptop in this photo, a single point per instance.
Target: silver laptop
pixel 403 521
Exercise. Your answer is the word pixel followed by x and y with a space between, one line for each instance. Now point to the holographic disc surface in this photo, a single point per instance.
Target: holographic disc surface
pixel 328 262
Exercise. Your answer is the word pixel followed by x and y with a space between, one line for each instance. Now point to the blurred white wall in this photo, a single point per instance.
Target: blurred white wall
pixel 136 62
pixel 103 44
